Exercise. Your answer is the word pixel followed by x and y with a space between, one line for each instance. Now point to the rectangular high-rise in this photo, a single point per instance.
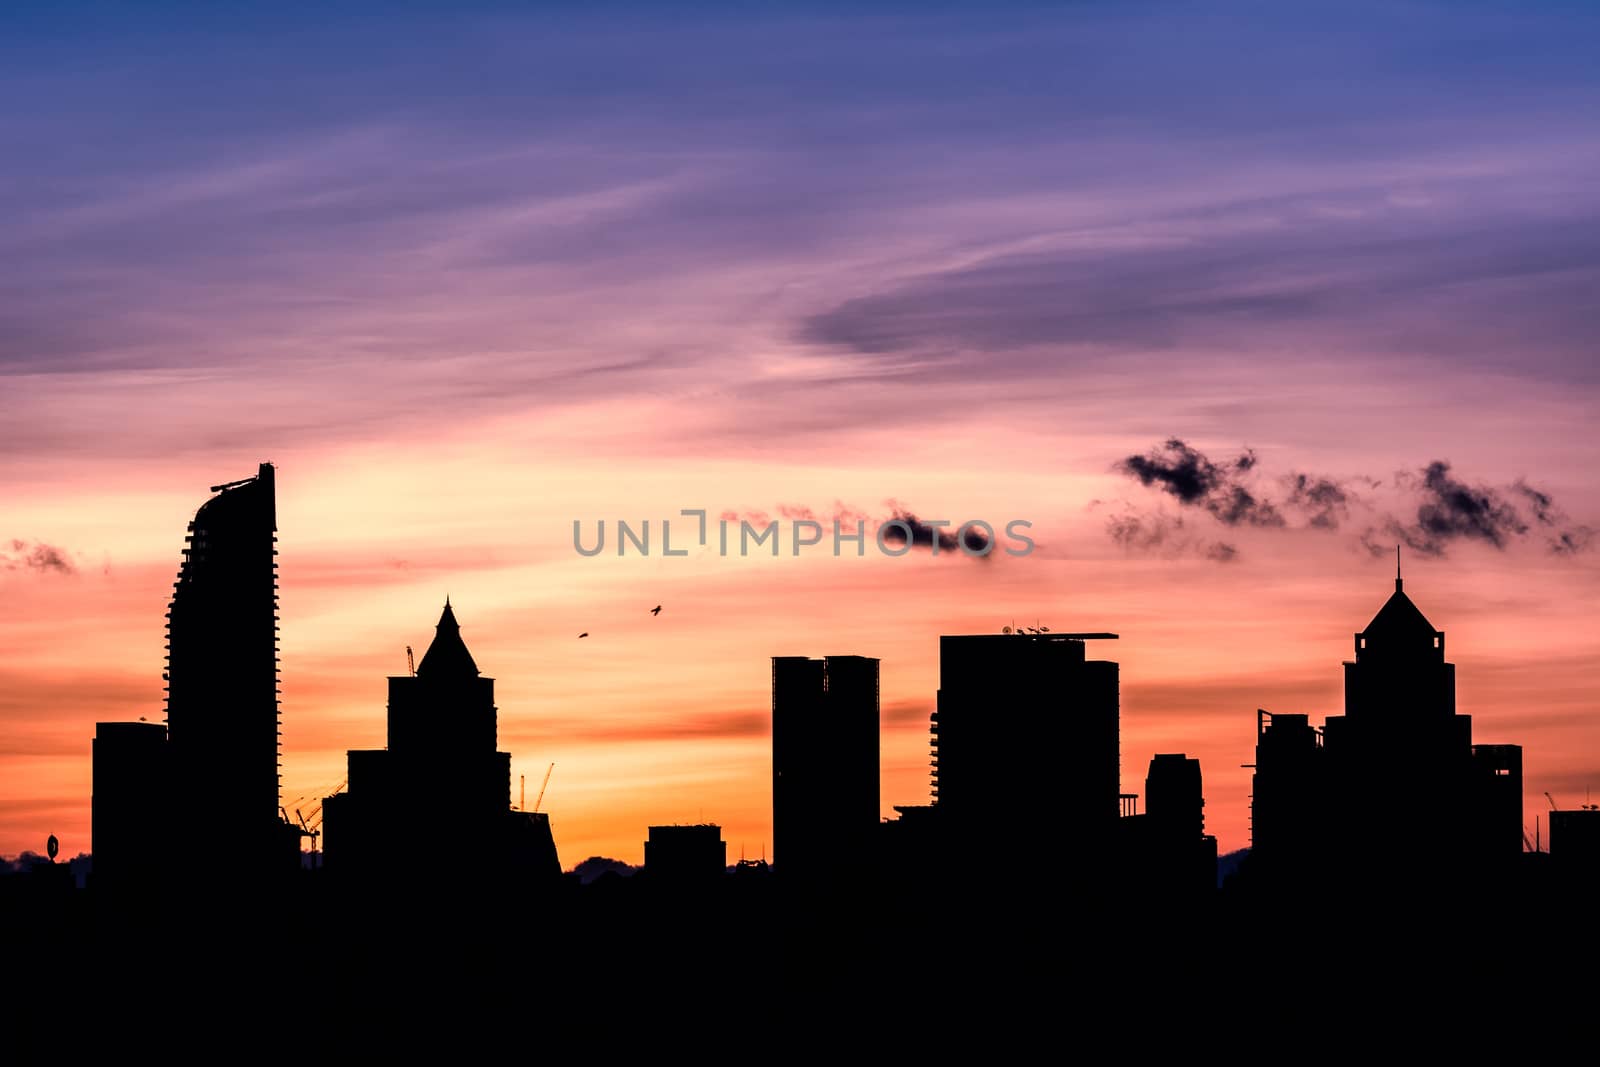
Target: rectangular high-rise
pixel 1026 739
pixel 824 765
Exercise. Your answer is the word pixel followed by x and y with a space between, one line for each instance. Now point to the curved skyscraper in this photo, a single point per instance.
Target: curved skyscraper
pixel 222 684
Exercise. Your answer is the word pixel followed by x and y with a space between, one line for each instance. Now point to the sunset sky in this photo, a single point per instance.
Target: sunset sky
pixel 467 274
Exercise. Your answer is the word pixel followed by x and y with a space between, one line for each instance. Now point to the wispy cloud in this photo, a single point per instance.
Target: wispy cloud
pixel 37 556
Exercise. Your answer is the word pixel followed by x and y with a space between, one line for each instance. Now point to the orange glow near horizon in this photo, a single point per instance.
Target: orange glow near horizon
pixel 468 275
pixel 666 719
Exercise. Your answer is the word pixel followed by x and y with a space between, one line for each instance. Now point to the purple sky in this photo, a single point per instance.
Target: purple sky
pixel 470 272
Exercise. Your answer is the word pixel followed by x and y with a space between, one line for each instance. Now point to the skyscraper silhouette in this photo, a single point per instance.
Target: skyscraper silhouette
pixel 1026 738
pixel 442 740
pixel 824 765
pixel 1324 798
pixel 221 744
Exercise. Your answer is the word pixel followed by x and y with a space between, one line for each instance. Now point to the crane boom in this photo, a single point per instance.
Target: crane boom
pixel 540 798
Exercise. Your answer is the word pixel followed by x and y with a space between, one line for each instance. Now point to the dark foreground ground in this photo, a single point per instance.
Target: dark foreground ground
pixel 758 969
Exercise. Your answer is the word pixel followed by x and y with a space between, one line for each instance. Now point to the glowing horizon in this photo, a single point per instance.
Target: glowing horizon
pixel 468 278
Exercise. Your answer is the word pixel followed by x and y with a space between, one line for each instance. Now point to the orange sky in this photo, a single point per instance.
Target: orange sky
pixel 467 276
pixel 662 719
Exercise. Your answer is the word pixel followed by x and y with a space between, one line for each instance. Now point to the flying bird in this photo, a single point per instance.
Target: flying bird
pixel 584 634
pixel 656 610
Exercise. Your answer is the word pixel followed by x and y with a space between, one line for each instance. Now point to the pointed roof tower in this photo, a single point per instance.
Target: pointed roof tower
pixel 1399 626
pixel 447 657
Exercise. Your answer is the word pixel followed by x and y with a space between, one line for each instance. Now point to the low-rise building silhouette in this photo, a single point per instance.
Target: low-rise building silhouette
pixel 1166 851
pixel 686 854
pixel 1575 845
pixel 131 807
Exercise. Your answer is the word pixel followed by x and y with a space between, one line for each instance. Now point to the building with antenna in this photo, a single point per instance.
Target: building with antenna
pixel 439 784
pixel 1026 739
pixel 1396 779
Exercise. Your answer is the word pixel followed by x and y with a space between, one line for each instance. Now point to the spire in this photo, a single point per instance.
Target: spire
pixel 1399 587
pixel 1399 623
pixel 448 655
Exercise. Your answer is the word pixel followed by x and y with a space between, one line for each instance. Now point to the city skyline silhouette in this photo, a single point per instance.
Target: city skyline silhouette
pixel 1217 320
pixel 1012 527
pixel 893 799
pixel 1321 793
pixel 1027 744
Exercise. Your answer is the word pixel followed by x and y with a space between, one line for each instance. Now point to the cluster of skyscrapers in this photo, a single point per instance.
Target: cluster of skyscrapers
pixel 1024 760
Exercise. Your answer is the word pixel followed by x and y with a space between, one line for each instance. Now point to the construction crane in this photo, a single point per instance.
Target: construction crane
pixel 307 829
pixel 540 798
pixel 1552 800
pixel 411 662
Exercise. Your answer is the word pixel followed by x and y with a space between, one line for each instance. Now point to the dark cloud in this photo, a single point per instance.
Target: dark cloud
pixel 1450 510
pixel 948 538
pixel 1573 541
pixel 1177 468
pixel 37 556
pixel 1144 533
pixel 1565 538
pixel 1324 502
pixel 1544 508
pixel 1444 509
pixel 1164 535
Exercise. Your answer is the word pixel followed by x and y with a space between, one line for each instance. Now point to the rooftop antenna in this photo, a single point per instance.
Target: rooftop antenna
pixel 1398 585
pixel 522 805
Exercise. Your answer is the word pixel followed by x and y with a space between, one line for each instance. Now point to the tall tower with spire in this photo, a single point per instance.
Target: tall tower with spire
pixel 1396 781
pixel 440 786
